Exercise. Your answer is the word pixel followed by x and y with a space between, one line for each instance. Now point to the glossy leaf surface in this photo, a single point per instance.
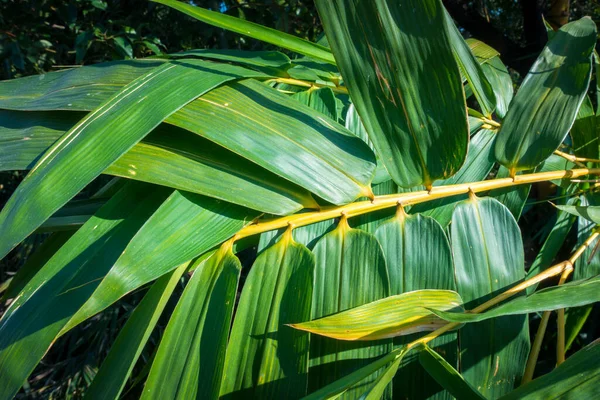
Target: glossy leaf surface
pixel 412 108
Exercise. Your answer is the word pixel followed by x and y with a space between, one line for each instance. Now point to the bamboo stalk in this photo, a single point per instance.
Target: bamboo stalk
pixel 387 201
pixel 535 348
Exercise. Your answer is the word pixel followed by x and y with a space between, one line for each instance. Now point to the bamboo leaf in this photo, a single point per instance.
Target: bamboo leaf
pixel 470 68
pixel 591 213
pixel 584 131
pixel 417 122
pixel 482 51
pixel 191 354
pixel 268 59
pixel 393 316
pixel 67 280
pixel 477 166
pixel 262 124
pixel 447 376
pixel 488 257
pixel 513 198
pixel 572 294
pixel 501 82
pixel 253 30
pixel 335 389
pixel 350 271
pixel 115 126
pixel 377 390
pixel 185 226
pixel 168 156
pixel 323 100
pixel 418 257
pixel 559 79
pixel 576 378
pixel 116 368
pixel 264 358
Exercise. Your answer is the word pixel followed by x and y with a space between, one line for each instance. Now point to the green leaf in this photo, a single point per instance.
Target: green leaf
pixel 447 376
pixel 168 156
pixel 191 354
pixel 350 272
pixel 470 68
pixel 67 280
pixel 501 82
pixel 418 121
pixel 270 59
pixel 482 51
pixel 488 258
pixel 377 390
pixel 477 166
pixel 75 89
pixel 284 136
pixel 185 226
pixel 116 126
pixel 553 243
pixel 393 316
pixel 253 30
pixel 370 222
pixel 585 132
pixel 576 378
pixel 513 198
pixel 591 213
pixel 418 257
pixel 116 368
pixel 323 100
pixel 355 125
pixel 266 359
pixel 572 294
pixel 340 386
pixel 546 105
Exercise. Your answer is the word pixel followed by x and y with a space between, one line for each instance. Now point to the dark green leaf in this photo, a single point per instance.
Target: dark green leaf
pixel 412 107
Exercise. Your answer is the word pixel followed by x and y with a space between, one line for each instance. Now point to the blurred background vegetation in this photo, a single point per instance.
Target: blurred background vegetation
pixel 37 36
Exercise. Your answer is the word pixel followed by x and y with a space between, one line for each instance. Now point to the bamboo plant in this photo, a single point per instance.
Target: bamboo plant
pixel 383 209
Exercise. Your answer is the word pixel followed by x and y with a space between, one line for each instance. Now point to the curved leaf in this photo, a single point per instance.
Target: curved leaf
pixel 393 316
pixel 591 213
pixel 253 30
pixel 350 272
pixel 266 359
pixel 116 126
pixel 190 357
pixel 116 368
pixel 488 258
pixel 408 92
pixel 585 131
pixel 168 156
pixel 546 105
pixel 184 226
pixel 501 82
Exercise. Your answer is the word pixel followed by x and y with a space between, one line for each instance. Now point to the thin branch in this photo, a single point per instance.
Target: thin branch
pixel 388 201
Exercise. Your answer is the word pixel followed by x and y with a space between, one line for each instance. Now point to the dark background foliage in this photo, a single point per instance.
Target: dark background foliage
pixel 37 36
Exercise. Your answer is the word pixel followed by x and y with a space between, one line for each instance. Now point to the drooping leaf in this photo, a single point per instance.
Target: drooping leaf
pixel 253 30
pixel 477 166
pixel 116 368
pixel 185 226
pixel 412 108
pixel 114 127
pixel 572 294
pixel 266 359
pixel 546 105
pixel 447 376
pixel 168 156
pixel 67 280
pixel 591 213
pixel 488 258
pixel 499 78
pixel 393 316
pixel 189 361
pixel 576 378
pixel 418 257
pixel 470 68
pixel 262 124
pixel 350 271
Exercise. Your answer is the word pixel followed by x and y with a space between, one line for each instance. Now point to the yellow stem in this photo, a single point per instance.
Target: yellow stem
pixel 577 160
pixel 387 201
pixel 555 270
pixel 535 348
